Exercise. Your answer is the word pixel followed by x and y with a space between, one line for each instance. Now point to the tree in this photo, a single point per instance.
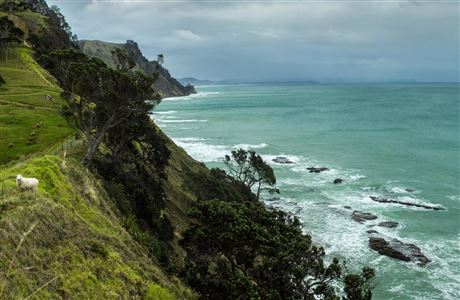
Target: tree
pixel 160 59
pixel 10 36
pixel 98 98
pixel 249 168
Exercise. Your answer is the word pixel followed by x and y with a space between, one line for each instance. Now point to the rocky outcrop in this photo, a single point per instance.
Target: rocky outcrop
pixel 165 85
pixel 362 217
pixel 282 160
pixel 317 170
pixel 394 248
pixel 338 180
pixel 388 224
pixel 384 200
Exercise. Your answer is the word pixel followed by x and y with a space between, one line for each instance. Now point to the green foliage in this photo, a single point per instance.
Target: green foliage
pixel 250 169
pixel 99 98
pixel 359 286
pixel 156 292
pixel 11 37
pixel 123 62
pixel 55 35
pixel 244 251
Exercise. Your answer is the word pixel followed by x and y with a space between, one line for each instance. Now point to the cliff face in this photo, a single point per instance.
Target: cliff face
pixel 165 85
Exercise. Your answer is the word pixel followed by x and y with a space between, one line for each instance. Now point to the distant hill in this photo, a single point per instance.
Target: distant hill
pixel 196 82
pixel 165 85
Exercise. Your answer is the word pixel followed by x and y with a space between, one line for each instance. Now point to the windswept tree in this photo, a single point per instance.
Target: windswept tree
pixel 99 98
pixel 249 168
pixel 160 59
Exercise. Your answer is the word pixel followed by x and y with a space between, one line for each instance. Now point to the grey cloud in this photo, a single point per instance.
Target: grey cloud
pixel 275 40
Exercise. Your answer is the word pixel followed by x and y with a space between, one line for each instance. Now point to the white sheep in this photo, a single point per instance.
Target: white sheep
pixel 26 183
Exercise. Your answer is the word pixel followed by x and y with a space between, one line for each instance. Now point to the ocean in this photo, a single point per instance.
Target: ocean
pixel 398 141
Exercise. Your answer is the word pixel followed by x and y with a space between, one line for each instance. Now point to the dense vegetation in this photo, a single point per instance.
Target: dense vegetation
pixel 234 247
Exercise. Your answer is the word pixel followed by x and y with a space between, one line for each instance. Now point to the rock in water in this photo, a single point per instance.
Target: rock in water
pixel 361 217
pixel 388 224
pixel 317 170
pixel 396 249
pixel 338 180
pixel 409 190
pixel 384 200
pixel 282 160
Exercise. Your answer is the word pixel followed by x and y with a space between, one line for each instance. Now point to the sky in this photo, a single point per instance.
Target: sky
pixel 290 40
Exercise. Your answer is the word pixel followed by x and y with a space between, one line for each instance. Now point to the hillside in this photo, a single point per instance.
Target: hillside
pixel 138 218
pixel 165 85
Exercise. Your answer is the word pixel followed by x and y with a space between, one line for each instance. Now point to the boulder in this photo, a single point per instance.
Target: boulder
pixel 394 248
pixel 338 180
pixel 362 217
pixel 282 160
pixel 388 224
pixel 317 170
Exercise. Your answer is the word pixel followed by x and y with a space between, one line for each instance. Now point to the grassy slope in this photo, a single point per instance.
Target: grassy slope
pixel 28 123
pixel 76 238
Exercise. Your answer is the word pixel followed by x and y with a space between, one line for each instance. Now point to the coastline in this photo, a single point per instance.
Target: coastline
pixel 314 198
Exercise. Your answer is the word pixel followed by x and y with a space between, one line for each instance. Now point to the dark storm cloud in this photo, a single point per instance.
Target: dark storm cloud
pixel 283 40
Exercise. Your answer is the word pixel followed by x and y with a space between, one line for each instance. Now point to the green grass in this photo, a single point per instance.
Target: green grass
pixel 68 240
pixel 77 239
pixel 28 122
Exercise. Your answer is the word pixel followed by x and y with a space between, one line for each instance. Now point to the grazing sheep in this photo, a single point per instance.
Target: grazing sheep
pixel 26 183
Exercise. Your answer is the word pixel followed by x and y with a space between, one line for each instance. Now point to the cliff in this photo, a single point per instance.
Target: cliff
pixel 165 85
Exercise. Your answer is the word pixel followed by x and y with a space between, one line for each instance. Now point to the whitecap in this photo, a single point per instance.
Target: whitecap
pixel 202 151
pixel 249 146
pixel 192 96
pixel 167 112
pixel 182 121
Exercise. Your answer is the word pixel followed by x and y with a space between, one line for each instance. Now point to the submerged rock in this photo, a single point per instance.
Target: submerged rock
pixel 384 200
pixel 362 217
pixel 409 190
pixel 394 248
pixel 272 199
pixel 372 231
pixel 317 170
pixel 388 224
pixel 282 160
pixel 338 180
pixel 347 207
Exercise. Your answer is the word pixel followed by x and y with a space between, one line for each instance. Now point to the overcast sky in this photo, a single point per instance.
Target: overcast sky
pixel 282 40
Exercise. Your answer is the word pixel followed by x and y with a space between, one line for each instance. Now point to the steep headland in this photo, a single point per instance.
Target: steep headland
pixel 165 85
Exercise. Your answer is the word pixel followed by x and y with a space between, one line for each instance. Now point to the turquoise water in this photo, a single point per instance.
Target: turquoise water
pixel 381 139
